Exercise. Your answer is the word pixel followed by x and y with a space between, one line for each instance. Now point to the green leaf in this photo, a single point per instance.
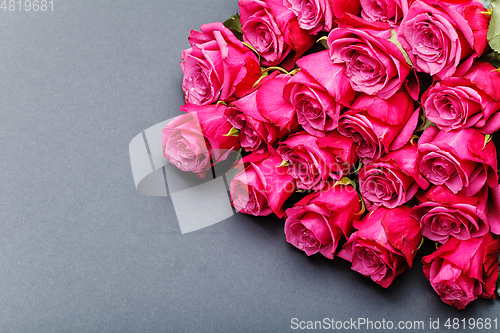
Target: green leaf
pixel 493 35
pixel 283 163
pixel 487 138
pixel 426 123
pixel 323 42
pixel 493 57
pixel 233 23
pixel 233 132
pixel 486 3
pixel 394 39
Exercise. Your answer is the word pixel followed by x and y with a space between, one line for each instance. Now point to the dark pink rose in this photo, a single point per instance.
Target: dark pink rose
pixel 319 15
pixel 458 159
pixel 217 66
pixel 438 35
pixel 273 30
pixel 312 161
pixel 384 244
pixel 261 186
pixel 393 180
pixel 464 102
pixel 318 92
pixel 274 107
pixel 390 11
pixel 373 64
pixel 443 214
pixel 255 131
pixel 195 141
pixel 317 222
pixel 461 271
pixel 378 126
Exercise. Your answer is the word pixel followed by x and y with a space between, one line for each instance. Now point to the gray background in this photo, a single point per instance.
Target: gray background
pixel 82 251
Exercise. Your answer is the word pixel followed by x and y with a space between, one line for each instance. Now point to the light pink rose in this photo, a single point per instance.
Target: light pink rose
pixel 261 187
pixel 194 141
pixel 461 271
pixel 319 92
pixel 318 221
pixel 393 180
pixel 217 66
pixel 471 101
pixel 320 15
pixel 443 214
pixel 373 64
pixel 384 244
pixel 273 30
pixel 458 159
pixel 312 161
pixel 378 126
pixel 439 35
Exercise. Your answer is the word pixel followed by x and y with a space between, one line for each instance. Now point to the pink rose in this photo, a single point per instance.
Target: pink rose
pixel 390 11
pixel 384 245
pixel 438 35
pixel 318 221
pixel 319 15
pixel 312 161
pixel 261 187
pixel 393 180
pixel 464 102
pixel 217 66
pixel 255 131
pixel 373 64
pixel 378 126
pixel 461 271
pixel 458 159
pixel 274 107
pixel 319 92
pixel 443 214
pixel 195 141
pixel 273 30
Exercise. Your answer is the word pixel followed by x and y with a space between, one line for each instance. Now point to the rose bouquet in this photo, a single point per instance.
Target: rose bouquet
pixel 366 125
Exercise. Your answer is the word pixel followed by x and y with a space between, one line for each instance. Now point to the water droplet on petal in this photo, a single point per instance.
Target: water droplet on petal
pixel 300 245
pixel 427 175
pixel 191 89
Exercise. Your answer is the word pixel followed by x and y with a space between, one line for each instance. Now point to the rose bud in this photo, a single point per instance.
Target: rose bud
pixel 319 92
pixel 196 140
pixel 378 126
pixel 320 15
pixel 393 180
pixel 384 244
pixel 318 221
pixel 273 30
pixel 390 11
pixel 253 130
pixel 312 161
pixel 461 160
pixel 471 101
pixel 217 67
pixel 373 64
pixel 443 214
pixel 261 186
pixel 461 271
pixel 438 35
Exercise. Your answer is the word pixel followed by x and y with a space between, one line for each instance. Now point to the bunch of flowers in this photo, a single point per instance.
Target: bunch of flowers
pixel 365 124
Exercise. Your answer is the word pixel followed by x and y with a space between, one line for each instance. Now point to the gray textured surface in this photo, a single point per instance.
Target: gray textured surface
pixel 82 251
